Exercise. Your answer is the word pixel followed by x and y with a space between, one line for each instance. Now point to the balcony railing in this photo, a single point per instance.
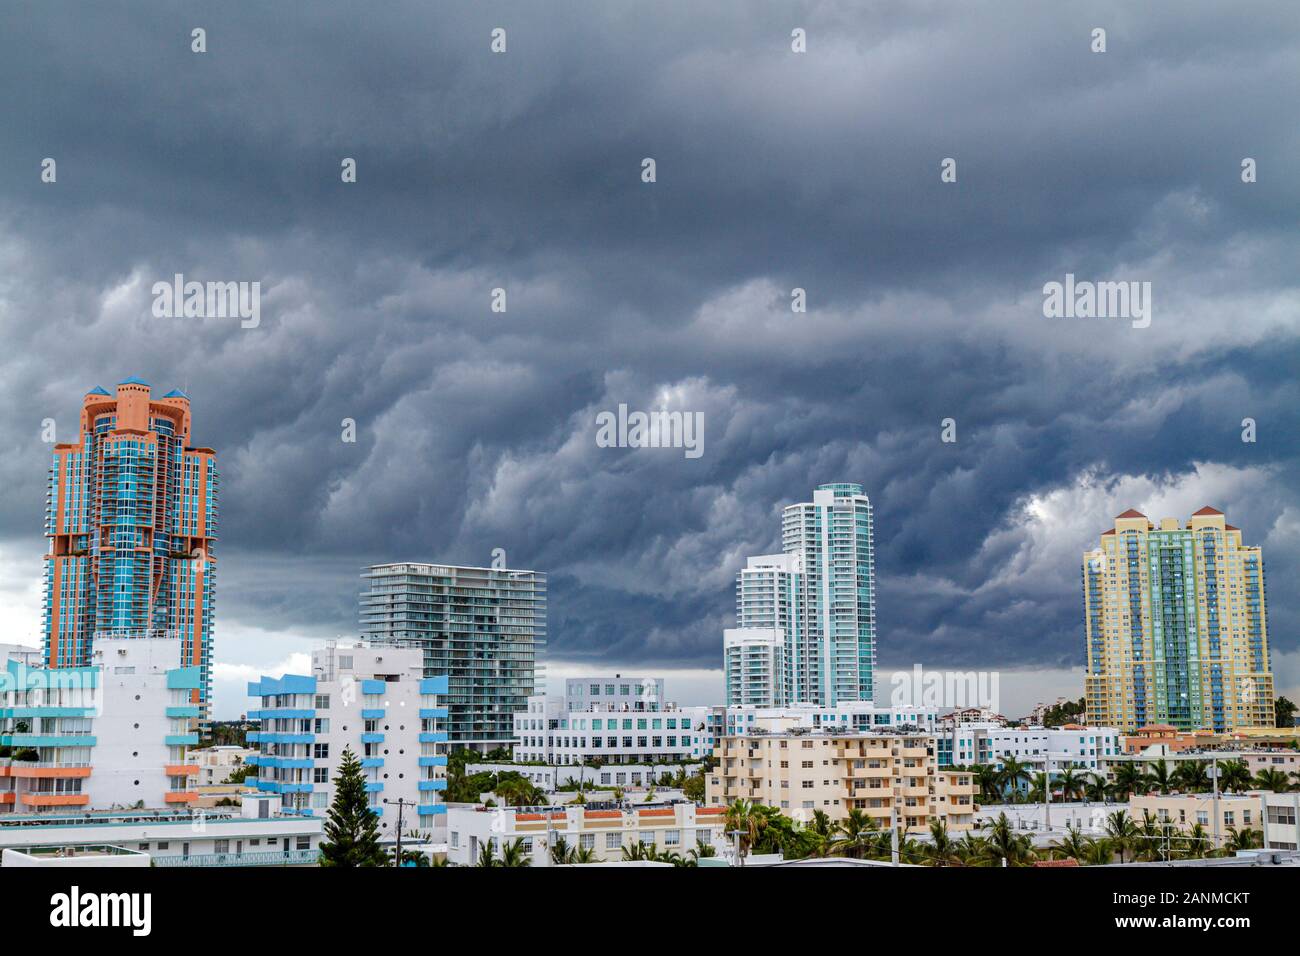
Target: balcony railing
pixel 263 858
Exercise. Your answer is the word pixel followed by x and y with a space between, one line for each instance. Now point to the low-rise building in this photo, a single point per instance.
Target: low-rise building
pixel 112 733
pixel 253 836
pixel 891 775
pixel 95 856
pixel 966 744
pixel 370 699
pixel 861 715
pixel 1183 811
pixel 603 829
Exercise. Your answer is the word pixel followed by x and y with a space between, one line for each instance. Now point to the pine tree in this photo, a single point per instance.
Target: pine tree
pixel 351 829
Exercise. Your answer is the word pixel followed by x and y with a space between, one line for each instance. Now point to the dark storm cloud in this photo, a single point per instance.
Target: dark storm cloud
pixel 476 430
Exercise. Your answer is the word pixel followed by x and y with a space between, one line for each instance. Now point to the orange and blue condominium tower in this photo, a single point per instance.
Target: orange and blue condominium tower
pixel 131 517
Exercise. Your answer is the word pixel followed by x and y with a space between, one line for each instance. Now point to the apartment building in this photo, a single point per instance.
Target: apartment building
pixel 847 715
pixel 1073 745
pixel 615 725
pixel 373 700
pixel 1243 811
pixel 483 629
pixel 111 733
pixel 1176 626
pixel 891 775
pixel 216 764
pixel 754 665
pixel 131 518
pixel 604 829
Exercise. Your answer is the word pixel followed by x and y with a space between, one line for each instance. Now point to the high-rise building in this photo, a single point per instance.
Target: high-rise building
pixel 481 627
pixel 1175 620
pixel 820 594
pixel 131 514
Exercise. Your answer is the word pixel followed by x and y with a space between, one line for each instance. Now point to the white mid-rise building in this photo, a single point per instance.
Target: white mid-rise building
pixel 616 721
pixel 753 665
pixel 857 715
pixel 109 734
pixel 372 700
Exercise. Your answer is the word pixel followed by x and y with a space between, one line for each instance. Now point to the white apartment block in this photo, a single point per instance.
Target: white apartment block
pixel 861 715
pixel 373 700
pixel 1089 748
pixel 753 665
pixel 604 829
pixel 109 734
pixel 617 721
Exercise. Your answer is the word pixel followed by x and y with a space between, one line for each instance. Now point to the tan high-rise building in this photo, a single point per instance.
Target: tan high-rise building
pixel 800 770
pixel 1175 619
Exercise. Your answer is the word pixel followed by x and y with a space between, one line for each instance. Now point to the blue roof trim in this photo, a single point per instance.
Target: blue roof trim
pixel 99 390
pixel 135 380
pixel 176 393
pixel 288 684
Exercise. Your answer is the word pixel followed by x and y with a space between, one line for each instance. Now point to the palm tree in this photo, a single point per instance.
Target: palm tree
pixel 1129 779
pixel 819 833
pixel 1072 846
pixel 1150 838
pixel 701 851
pixel 1013 774
pixel 1122 831
pixel 858 834
pixel 485 857
pixel 1004 844
pixel 1197 844
pixel 942 849
pixel 562 853
pixel 1234 776
pixel 1243 840
pixel 1274 780
pixel 989 779
pixel 1071 783
pixel 1193 775
pixel 972 850
pixel 513 854
pixel 1096 788
pixel 1158 777
pixel 741 816
pixel 1037 788
pixel 1097 852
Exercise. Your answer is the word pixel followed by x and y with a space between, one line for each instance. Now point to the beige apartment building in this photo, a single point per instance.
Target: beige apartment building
pixel 800 770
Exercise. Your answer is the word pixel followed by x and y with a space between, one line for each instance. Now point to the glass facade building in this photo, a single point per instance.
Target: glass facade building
pixel 484 628
pixel 819 594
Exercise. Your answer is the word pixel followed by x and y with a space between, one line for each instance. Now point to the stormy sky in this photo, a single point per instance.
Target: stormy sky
pixel 775 170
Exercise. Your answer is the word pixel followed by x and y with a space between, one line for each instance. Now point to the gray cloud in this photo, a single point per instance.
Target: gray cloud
pixel 476 430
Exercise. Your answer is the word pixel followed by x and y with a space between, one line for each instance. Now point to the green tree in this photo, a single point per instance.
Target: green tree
pixel 1072 846
pixel 1129 779
pixel 1014 773
pixel 1158 776
pixel 1274 780
pixel 1122 833
pixel 857 835
pixel 1005 844
pixel 1193 775
pixel 942 848
pixel 1234 776
pixel 741 816
pixel 351 828
pixel 1284 711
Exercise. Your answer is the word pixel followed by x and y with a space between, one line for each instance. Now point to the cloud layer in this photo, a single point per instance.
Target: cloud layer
pixel 775 171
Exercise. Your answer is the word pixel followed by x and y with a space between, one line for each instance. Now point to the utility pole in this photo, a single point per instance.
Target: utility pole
pixel 1214 775
pixel 893 835
pixel 397 859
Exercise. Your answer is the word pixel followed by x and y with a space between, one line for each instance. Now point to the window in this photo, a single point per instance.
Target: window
pixel 321 751
pixel 672 838
pixel 320 775
pixel 613 841
pixel 587 841
pixel 220 846
pixel 322 701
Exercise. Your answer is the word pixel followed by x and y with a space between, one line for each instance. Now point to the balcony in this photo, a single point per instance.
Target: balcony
pixel 55 799
pixel 180 796
pixel 180 769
